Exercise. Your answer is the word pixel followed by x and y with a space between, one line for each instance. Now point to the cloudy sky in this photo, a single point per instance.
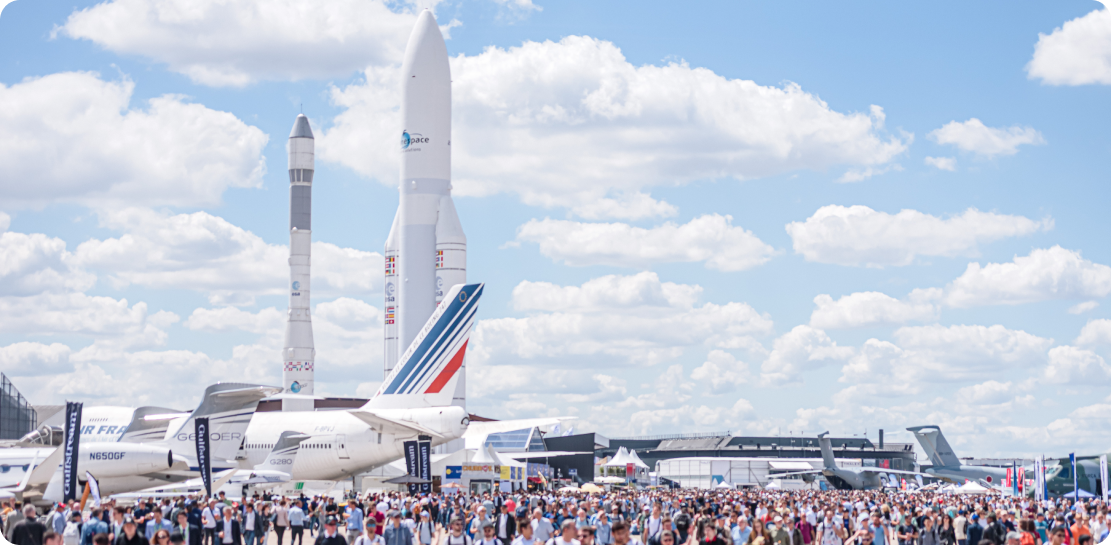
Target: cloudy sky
pixel 764 217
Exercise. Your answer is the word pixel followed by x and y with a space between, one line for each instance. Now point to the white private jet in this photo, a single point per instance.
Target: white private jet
pixel 123 464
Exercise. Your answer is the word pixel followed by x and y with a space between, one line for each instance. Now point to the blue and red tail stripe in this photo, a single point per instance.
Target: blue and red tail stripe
pixel 430 365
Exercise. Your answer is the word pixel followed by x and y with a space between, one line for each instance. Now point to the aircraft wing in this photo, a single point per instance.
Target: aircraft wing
pixel 41 474
pixel 390 425
pixel 498 426
pixel 811 472
pixel 895 471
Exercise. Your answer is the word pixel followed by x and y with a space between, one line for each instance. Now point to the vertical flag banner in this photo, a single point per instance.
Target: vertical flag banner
pixel 411 463
pixel 1037 479
pixel 424 456
pixel 94 488
pixel 204 453
pixel 1075 479
pixel 1044 485
pixel 1014 478
pixel 1103 476
pixel 73 450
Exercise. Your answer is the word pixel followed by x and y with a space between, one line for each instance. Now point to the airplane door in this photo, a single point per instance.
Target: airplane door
pixel 341 446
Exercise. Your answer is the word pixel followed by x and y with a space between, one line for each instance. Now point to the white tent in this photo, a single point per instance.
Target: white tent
pixel 486 456
pixel 621 459
pixel 636 459
pixel 772 486
pixel 724 485
pixel 971 488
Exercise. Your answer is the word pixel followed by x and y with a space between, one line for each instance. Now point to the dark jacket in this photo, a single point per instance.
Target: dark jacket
pixel 996 533
pixel 194 532
pixel 28 532
pixel 137 539
pixel 236 534
pixel 975 533
pixel 510 525
pixel 338 539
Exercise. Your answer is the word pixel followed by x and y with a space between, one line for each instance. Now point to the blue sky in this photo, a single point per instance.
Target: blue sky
pixel 767 217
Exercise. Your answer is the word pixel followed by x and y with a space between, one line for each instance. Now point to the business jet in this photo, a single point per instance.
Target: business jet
pixel 35 472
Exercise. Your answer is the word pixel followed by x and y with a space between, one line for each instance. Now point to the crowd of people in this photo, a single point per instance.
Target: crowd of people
pixel 620 517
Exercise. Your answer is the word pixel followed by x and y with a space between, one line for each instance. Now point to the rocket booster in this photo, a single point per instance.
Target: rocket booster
pixel 426 251
pixel 298 352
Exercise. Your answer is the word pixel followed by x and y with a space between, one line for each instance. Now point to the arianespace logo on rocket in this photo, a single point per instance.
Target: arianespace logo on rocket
pixel 412 139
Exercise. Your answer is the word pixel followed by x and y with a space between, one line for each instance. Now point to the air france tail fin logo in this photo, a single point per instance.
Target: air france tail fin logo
pixel 437 353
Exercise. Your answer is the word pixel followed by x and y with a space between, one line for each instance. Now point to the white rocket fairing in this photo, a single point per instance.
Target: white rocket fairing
pixel 426 251
pixel 299 353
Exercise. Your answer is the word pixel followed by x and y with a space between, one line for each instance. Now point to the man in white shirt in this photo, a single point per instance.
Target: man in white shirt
pixel 208 520
pixel 229 532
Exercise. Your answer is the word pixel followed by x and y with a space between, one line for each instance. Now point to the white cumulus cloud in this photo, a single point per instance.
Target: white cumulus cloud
pixel 1053 273
pixel 1095 332
pixel 942 163
pixel 73 137
pixel 722 371
pixel 711 239
pixel 643 323
pixel 860 236
pixel 520 113
pixel 237 42
pixel 1076 366
pixel 868 308
pixel 802 349
pixel 1076 53
pixel 975 137
pixel 207 253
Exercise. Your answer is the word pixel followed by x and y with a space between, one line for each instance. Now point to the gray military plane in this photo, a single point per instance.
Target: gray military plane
pixel 947 466
pixel 849 478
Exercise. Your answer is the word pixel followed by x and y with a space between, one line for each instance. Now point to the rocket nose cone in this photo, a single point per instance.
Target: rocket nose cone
pixel 301 128
pixel 425 32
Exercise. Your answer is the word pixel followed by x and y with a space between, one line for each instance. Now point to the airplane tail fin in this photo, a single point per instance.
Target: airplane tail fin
pixel 935 445
pixel 228 407
pixel 425 376
pixel 827 451
pixel 281 458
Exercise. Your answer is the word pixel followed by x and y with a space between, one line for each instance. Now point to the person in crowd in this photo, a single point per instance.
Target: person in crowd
pixel 129 533
pixel 191 533
pixel 228 531
pixel 370 534
pixel 331 535
pixel 505 525
pixel 542 528
pixel 297 521
pixel 52 538
pixel 30 530
pixel 396 533
pixel 161 537
pixel 155 524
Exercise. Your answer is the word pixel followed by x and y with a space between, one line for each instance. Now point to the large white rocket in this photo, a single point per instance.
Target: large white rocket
pixel 298 352
pixel 426 251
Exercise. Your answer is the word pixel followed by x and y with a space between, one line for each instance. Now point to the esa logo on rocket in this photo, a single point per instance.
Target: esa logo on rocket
pixel 411 139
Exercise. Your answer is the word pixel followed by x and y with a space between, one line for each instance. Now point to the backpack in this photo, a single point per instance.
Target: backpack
pixel 1027 539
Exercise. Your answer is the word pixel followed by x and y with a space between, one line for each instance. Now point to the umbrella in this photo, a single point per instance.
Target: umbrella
pixel 569 489
pixel 407 479
pixel 591 487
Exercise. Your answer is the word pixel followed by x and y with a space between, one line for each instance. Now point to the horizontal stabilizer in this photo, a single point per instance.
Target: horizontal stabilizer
pixel 391 426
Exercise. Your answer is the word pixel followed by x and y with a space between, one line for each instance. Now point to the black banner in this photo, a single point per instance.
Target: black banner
pixel 204 453
pixel 412 463
pixel 72 445
pixel 424 454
